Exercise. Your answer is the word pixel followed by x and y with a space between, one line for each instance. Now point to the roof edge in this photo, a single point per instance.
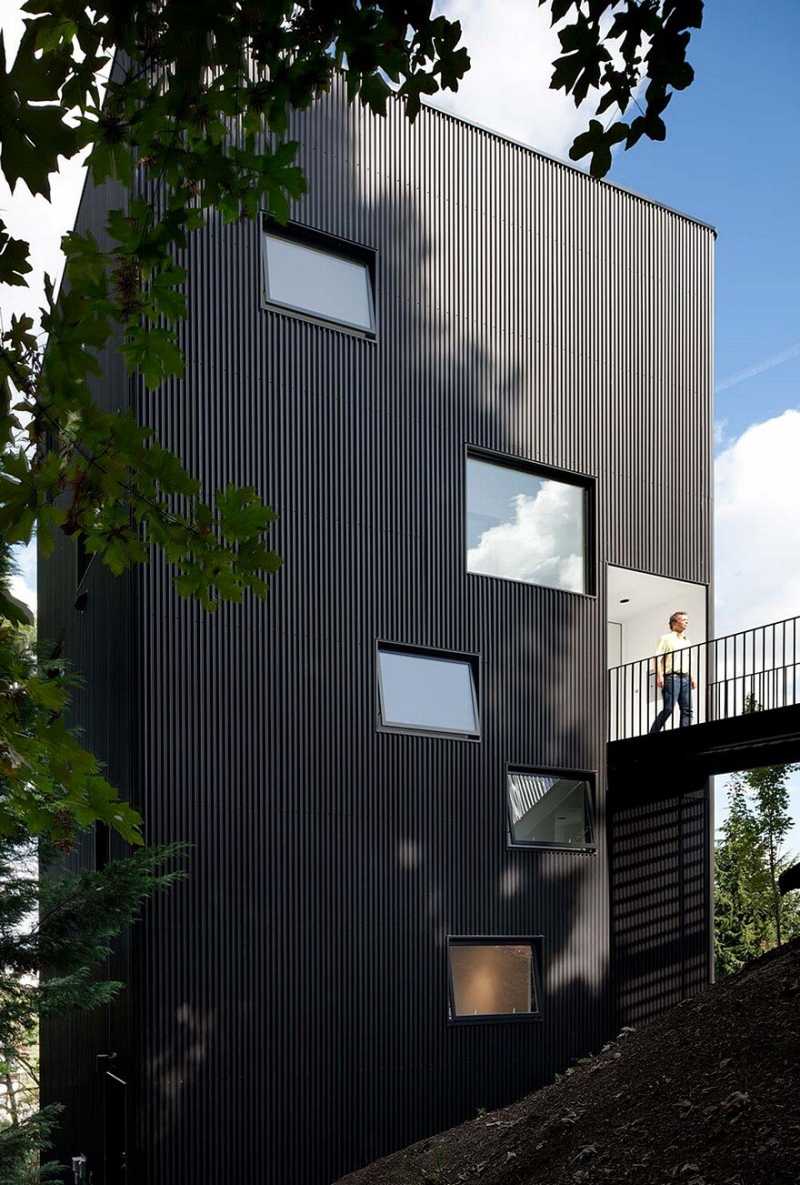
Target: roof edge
pixel 567 164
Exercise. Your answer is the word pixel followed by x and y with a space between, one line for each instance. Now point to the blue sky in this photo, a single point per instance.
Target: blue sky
pixel 731 159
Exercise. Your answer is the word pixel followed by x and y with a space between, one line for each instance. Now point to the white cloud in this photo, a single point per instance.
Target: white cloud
pixel 757 544
pixel 757 520
pixel 540 542
pixel 22 584
pixel 512 48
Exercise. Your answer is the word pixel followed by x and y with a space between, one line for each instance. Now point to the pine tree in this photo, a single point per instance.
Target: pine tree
pixel 751 917
pixel 55 934
pixel 57 930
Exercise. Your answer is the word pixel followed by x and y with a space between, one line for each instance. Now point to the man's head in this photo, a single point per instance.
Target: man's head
pixel 679 621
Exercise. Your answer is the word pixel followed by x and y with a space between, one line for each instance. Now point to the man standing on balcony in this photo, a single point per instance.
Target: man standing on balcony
pixel 673 672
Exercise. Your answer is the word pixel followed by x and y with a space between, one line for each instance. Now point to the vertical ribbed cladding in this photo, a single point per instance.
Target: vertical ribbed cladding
pixel 98 645
pixel 291 996
pixel 660 914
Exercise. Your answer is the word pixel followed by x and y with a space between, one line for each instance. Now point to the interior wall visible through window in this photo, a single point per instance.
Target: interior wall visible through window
pixel 493 978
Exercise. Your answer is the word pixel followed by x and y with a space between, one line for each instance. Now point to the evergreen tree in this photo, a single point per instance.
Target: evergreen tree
pixel 55 935
pixel 751 916
pixel 55 931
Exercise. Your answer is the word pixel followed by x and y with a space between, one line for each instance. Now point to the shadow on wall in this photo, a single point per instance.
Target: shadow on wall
pixel 659 922
pixel 331 861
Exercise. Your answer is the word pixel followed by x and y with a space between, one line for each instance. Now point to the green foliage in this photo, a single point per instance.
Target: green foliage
pixel 55 935
pixel 14 263
pixel 194 118
pixel 613 49
pixel 750 915
pixel 49 784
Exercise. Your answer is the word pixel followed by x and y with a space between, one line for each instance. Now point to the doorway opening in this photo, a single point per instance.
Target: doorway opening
pixel 639 609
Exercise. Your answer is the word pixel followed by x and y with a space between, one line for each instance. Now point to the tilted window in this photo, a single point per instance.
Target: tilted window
pixel 550 809
pixel 494 978
pixel 307 274
pixel 427 691
pixel 524 524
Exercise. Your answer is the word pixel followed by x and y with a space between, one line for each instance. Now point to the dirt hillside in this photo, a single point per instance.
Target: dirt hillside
pixel 709 1094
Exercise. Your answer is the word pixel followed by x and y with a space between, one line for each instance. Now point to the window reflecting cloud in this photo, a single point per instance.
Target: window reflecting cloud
pixel 524 527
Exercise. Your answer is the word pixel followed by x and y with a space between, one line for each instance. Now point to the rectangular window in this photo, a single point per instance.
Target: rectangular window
pixel 494 978
pixel 523 524
pixel 550 809
pixel 310 273
pixel 427 691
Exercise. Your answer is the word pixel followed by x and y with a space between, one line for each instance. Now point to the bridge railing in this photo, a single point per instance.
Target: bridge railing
pixel 752 670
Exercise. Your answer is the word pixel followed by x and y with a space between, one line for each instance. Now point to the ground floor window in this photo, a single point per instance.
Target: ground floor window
pixel 494 978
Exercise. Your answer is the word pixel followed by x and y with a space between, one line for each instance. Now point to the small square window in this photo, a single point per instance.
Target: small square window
pixel 427 691
pixel 550 809
pixel 525 524
pixel 493 978
pixel 313 274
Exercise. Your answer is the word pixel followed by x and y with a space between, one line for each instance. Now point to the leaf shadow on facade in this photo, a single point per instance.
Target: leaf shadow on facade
pixel 300 976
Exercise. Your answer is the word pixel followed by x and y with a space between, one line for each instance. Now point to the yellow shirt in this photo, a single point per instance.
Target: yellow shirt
pixel 670 645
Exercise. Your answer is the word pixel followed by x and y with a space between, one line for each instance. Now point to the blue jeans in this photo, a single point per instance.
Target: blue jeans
pixel 676 687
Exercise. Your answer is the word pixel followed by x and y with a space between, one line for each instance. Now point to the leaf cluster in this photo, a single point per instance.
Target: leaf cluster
pixel 49 784
pixel 620 50
pixel 195 118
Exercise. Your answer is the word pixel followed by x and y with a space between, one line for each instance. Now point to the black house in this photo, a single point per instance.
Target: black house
pixel 476 386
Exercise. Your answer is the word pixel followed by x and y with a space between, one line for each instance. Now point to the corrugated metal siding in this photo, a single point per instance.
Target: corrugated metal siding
pixel 291 997
pixel 660 915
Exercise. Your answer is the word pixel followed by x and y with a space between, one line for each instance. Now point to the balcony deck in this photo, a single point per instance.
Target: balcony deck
pixel 746 713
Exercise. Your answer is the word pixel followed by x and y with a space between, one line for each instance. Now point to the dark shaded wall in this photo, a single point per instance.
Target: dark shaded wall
pixel 99 645
pixel 291 1000
pixel 661 910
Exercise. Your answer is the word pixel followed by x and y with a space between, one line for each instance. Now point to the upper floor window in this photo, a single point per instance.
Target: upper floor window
pixel 525 524
pixel 550 809
pixel 314 274
pixel 494 978
pixel 427 691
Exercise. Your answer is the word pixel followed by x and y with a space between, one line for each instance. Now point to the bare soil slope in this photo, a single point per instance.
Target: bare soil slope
pixel 709 1094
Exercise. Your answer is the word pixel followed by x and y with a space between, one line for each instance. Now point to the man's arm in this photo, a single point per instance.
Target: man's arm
pixel 659 662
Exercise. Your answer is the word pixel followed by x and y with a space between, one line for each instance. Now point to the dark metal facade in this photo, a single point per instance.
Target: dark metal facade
pixel 99 643
pixel 289 1001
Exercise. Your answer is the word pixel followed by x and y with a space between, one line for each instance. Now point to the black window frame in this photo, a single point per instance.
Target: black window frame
pixel 462 657
pixel 536 943
pixel 322 241
pixel 585 775
pixel 585 481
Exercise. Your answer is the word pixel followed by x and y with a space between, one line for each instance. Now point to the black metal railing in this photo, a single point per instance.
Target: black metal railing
pixel 753 670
